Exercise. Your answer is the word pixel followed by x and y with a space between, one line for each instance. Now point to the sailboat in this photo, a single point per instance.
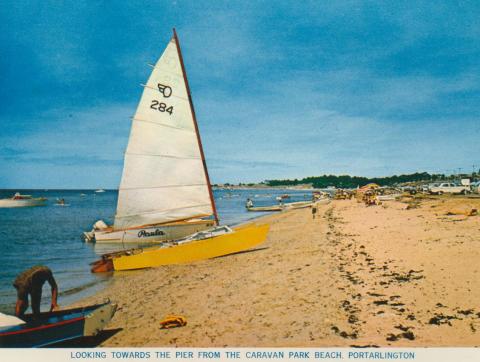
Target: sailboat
pixel 165 193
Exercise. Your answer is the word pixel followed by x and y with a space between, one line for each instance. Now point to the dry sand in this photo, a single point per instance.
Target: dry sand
pixel 397 274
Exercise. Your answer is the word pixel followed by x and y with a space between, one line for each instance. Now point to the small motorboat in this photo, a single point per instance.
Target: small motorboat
pixel 61 202
pixel 19 200
pixel 53 327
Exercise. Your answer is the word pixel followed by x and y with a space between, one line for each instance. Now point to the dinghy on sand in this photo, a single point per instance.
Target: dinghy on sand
pixel 288 206
pixel 53 327
pixel 165 192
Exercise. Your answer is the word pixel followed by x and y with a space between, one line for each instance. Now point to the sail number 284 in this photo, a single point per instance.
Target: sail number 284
pixel 161 107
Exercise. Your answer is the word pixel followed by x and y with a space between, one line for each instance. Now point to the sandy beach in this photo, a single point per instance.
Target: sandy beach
pixel 397 274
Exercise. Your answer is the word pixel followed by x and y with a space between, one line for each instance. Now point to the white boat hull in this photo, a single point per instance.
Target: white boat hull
pixel 298 205
pixel 289 206
pixel 151 234
pixel 9 203
pixel 305 204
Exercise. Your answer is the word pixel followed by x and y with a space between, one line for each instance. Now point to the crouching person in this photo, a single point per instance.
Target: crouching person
pixel 30 282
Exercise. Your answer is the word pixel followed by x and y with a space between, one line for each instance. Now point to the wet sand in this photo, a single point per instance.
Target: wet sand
pixel 398 274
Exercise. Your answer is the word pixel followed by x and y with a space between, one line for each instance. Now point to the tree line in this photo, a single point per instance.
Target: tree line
pixel 346 181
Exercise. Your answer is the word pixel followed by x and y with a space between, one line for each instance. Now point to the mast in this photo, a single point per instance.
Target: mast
pixel 196 126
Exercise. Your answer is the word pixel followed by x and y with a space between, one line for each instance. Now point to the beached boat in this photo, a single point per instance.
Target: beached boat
pixel 266 208
pixel 390 197
pixel 205 244
pixel 165 192
pixel 19 200
pixel 298 204
pixel 53 327
pixel 289 205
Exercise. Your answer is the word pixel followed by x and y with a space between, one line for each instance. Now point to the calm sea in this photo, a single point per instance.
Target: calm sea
pixel 51 235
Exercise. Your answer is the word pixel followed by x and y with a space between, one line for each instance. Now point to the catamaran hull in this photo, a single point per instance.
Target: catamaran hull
pixel 54 327
pixel 243 238
pixel 153 234
pixel 9 203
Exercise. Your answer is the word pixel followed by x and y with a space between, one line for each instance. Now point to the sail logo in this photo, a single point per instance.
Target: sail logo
pixel 165 90
pixel 146 234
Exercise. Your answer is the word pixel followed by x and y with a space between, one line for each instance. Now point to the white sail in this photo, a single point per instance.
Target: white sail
pixel 163 177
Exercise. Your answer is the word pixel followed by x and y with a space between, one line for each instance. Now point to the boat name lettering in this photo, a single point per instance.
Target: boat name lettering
pixel 144 233
pixel 165 90
pixel 161 107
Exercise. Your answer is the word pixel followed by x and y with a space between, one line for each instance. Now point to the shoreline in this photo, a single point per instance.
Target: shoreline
pixel 392 275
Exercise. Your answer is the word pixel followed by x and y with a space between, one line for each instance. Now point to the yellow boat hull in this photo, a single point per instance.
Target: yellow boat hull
pixel 243 238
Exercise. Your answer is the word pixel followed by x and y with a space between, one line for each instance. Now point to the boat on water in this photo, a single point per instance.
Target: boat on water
pixel 19 200
pixel 99 191
pixel 53 327
pixel 165 193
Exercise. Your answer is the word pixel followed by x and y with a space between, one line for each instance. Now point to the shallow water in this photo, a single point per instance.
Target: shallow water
pixel 51 235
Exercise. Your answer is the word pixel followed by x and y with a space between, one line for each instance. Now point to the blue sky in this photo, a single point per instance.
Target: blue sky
pixel 282 89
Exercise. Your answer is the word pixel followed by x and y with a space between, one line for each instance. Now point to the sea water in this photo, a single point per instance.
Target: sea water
pixel 51 235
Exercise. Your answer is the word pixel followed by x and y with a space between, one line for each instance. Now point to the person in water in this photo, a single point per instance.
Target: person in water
pixel 31 282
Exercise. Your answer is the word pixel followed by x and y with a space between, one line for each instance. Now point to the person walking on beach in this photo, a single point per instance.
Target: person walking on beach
pixel 31 282
pixel 314 211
